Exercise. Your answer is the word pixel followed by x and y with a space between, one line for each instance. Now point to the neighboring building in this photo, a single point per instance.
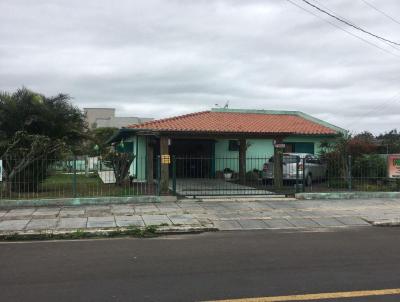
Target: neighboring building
pixel 213 139
pixel 105 117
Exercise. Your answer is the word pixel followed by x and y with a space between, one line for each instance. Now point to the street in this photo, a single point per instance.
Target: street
pixel 209 266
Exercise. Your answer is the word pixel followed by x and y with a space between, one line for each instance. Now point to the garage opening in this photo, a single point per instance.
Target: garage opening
pixel 195 158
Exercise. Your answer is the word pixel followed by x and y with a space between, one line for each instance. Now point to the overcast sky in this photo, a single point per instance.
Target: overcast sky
pixel 158 58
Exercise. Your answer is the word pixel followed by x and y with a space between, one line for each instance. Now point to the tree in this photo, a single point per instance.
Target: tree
pixel 97 140
pixel 35 130
pixel 120 161
pixel 389 142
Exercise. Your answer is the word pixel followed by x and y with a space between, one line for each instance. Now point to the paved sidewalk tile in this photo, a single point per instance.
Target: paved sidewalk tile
pixel 122 210
pixel 237 206
pixel 98 211
pixel 126 221
pixel 72 223
pixel 72 212
pixel 183 219
pixel 259 206
pixel 13 225
pixel 278 223
pixel 328 222
pixel 303 222
pixel 227 225
pixel 252 224
pixel 352 221
pixel 147 208
pixel 46 213
pixel 42 224
pixel 101 222
pixel 19 213
pixel 156 219
pixel 168 208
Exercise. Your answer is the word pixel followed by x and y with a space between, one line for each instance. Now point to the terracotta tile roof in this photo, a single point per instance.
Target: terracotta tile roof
pixel 240 122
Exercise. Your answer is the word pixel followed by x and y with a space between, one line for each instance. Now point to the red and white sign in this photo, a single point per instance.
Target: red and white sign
pixel 394 165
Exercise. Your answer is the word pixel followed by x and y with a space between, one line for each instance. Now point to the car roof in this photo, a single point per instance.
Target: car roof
pixel 301 155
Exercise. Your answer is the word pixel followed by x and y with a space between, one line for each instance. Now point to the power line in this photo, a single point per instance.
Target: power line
pixel 344 30
pixel 349 23
pixel 381 11
pixel 375 109
pixel 333 12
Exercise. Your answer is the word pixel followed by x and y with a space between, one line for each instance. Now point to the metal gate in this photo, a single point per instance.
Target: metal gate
pixel 203 176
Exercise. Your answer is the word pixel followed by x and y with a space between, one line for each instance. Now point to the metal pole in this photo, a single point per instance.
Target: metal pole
pixel 74 193
pixel 304 174
pixel 158 175
pixel 174 175
pixel 349 172
pixel 297 174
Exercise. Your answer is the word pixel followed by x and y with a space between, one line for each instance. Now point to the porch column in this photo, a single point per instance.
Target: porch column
pixel 164 173
pixel 149 160
pixel 242 160
pixel 278 164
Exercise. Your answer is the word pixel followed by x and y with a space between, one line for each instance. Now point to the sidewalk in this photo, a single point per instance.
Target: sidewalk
pixel 185 215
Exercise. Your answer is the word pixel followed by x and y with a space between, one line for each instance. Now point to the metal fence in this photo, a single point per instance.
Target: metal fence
pixel 195 176
pixel 72 177
pixel 334 172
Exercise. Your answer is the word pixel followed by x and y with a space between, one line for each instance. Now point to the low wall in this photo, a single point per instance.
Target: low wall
pixel 6 203
pixel 348 195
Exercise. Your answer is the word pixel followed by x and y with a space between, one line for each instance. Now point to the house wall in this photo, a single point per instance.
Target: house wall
pixel 258 152
pixel 138 166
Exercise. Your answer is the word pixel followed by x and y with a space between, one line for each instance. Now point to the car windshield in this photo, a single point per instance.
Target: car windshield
pixel 287 159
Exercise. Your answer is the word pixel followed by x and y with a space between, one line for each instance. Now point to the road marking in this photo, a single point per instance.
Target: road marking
pixel 320 296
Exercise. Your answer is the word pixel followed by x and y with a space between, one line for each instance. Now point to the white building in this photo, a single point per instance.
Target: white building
pixel 105 117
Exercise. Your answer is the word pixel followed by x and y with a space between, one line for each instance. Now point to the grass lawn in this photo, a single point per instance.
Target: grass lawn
pixel 60 185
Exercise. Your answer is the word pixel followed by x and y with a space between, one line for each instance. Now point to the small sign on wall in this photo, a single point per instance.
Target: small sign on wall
pixel 165 159
pixel 394 165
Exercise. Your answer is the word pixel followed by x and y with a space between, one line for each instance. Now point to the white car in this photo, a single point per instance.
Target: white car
pixel 314 169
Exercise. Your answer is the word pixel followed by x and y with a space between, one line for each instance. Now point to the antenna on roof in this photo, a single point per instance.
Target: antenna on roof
pixel 226 106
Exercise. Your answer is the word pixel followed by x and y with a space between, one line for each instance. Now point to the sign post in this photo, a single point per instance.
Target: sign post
pixel 394 166
pixel 1 170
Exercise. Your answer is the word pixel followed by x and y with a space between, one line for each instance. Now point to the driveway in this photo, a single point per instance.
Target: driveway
pixel 206 186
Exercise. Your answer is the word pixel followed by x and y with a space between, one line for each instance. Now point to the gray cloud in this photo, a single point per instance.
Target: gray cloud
pixel 161 58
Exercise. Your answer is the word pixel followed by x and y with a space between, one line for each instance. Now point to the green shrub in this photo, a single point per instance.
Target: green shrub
pixel 369 166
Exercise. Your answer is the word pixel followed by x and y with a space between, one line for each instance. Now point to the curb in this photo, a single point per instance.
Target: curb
pixel 386 223
pixel 8 203
pixel 347 195
pixel 100 233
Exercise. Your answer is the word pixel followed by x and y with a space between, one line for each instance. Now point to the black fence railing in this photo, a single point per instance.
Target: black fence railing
pixel 72 177
pixel 300 173
pixel 194 176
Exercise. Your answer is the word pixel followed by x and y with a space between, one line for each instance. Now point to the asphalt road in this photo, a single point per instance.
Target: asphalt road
pixel 203 267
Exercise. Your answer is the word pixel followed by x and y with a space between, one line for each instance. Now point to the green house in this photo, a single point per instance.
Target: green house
pixel 206 143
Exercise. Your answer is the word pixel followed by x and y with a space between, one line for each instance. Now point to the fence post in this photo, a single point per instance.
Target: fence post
pixel 349 172
pixel 297 174
pixel 304 174
pixel 74 193
pixel 174 175
pixel 158 175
